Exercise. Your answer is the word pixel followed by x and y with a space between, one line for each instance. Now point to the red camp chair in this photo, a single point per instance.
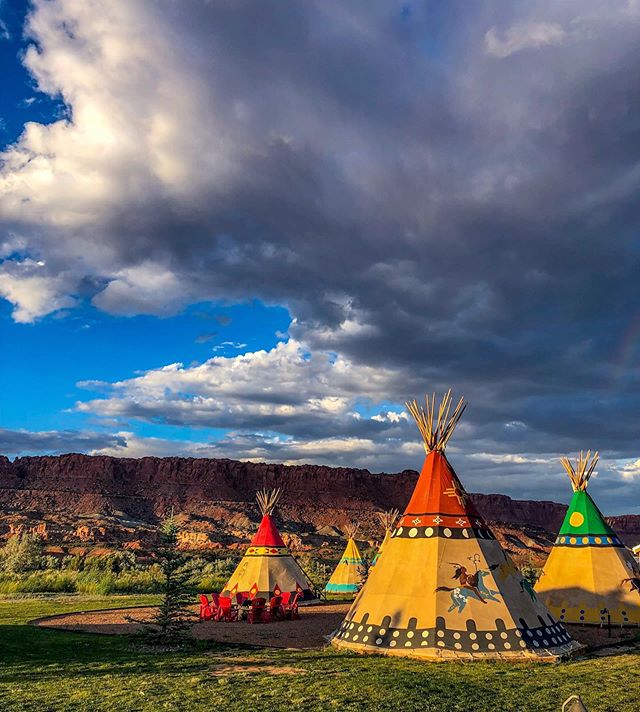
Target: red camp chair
pixel 206 611
pixel 257 613
pixel 290 609
pixel 275 609
pixel 227 611
pixel 285 598
pixel 215 604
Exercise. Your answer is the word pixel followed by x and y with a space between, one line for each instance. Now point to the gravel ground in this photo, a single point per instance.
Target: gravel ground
pixel 315 623
pixel 308 632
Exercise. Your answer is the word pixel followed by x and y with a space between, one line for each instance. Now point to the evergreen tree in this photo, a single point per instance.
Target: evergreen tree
pixel 173 618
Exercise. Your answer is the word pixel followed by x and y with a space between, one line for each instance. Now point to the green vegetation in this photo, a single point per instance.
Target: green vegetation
pixel 25 569
pixel 64 672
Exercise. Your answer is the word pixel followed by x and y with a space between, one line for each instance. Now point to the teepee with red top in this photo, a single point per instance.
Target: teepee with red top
pixel 268 568
pixel 445 588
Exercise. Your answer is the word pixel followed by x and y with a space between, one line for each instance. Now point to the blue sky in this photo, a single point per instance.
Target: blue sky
pixel 255 230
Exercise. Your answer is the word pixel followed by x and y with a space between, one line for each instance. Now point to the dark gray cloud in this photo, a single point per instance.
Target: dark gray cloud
pixel 443 190
pixel 24 442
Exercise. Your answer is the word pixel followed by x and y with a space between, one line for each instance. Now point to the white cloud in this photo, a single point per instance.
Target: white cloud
pixel 33 293
pixel 283 389
pixel 512 459
pixel 629 469
pixel 529 35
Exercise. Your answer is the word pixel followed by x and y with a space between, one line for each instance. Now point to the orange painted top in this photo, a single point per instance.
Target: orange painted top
pixel 267 534
pixel 439 491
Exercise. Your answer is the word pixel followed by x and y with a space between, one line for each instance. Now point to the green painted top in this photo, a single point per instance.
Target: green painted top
pixel 583 517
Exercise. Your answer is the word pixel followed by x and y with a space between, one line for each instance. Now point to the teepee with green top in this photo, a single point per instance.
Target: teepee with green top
pixel 590 575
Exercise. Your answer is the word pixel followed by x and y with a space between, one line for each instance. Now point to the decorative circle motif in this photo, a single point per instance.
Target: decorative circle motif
pixel 447 532
pixel 465 533
pixel 536 644
pixel 382 631
pixel 355 637
pixel 369 629
pixel 504 636
pixel 585 539
pixel 412 532
pixel 475 646
pixel 396 633
pixel 425 633
pixel 507 646
pixel 456 636
pixel 428 531
pixel 440 634
pixel 598 540
pixel 491 646
pixel 518 633
pixel 563 539
pixel 351 626
pixel 573 540
pixel 408 644
pixel 457 646
pixel 576 519
pixel 393 643
pixel 441 643
pixel 366 637
pixel 360 628
pixel 378 641
pixel 399 532
pixel 523 644
pixel 472 636
pixel 410 634
pixel 488 636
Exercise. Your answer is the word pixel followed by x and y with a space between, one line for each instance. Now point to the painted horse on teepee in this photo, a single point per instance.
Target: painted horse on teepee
pixel 444 588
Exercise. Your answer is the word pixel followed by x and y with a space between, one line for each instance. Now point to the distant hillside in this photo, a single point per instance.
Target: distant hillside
pixel 75 499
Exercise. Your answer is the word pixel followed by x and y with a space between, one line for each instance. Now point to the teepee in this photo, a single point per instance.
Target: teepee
pixel 347 576
pixel 444 588
pixel 590 576
pixel 387 520
pixel 267 568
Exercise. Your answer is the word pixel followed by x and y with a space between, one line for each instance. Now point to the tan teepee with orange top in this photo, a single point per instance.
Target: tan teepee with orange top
pixel 444 588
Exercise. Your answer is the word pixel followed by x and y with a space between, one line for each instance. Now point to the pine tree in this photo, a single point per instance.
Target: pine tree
pixel 172 621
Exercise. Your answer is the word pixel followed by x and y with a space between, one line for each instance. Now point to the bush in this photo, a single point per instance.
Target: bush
pixel 21 553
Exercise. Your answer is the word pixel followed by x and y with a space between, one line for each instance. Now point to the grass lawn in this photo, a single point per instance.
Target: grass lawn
pixel 52 670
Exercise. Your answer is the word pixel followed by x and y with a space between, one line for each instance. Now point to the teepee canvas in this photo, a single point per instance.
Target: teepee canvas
pixel 590 576
pixel 347 576
pixel 267 568
pixel 387 520
pixel 444 588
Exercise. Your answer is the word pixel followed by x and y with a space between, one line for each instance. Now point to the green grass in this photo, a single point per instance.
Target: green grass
pixel 52 670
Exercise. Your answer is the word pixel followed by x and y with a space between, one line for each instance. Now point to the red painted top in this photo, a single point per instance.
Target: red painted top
pixel 439 491
pixel 267 534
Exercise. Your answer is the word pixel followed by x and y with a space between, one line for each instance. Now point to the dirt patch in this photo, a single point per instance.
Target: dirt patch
pixel 256 668
pixel 315 623
pixel 595 637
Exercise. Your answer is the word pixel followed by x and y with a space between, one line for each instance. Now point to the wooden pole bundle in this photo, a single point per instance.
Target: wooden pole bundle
pixel 584 467
pixel 436 429
pixel 351 530
pixel 267 500
pixel 387 519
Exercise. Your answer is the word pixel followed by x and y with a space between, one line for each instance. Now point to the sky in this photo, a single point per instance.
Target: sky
pixel 254 229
